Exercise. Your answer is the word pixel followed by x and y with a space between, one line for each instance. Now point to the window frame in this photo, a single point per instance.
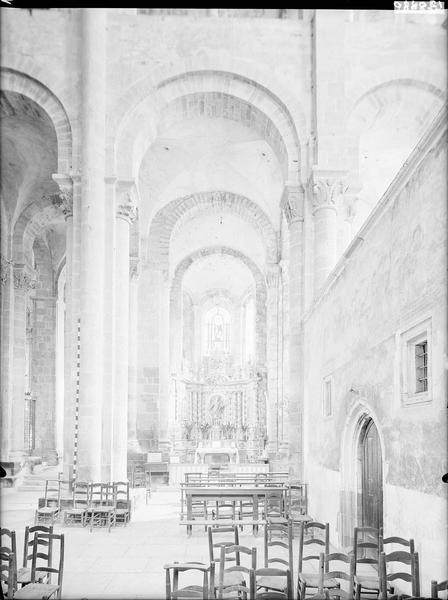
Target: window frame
pixel 327 384
pixel 411 339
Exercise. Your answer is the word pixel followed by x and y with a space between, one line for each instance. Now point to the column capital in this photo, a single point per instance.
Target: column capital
pixel 272 275
pixel 126 205
pixel 292 203
pixel 24 278
pixel 64 199
pixel 134 267
pixel 326 187
pixel 5 269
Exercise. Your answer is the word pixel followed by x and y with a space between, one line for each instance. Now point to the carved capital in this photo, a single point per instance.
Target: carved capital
pixel 5 270
pixel 134 267
pixel 128 212
pixel 24 279
pixel 326 188
pixel 272 276
pixel 64 200
pixel 292 203
pixel 126 205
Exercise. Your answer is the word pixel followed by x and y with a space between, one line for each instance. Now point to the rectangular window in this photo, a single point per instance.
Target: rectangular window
pixel 416 363
pixel 421 367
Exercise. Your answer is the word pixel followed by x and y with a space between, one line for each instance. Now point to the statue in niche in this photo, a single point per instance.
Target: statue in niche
pixel 216 409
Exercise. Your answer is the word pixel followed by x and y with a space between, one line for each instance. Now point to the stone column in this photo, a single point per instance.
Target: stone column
pixel 327 186
pixel 93 251
pixel 24 282
pixel 126 213
pixel 133 327
pixel 197 335
pixel 165 411
pixel 292 204
pixel 64 200
pixel 6 338
pixel 236 342
pixel 272 409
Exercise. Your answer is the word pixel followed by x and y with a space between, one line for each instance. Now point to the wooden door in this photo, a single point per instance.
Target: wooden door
pixel 372 477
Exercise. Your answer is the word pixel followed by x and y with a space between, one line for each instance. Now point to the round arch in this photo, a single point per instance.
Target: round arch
pixel 392 95
pixel 260 293
pixel 35 217
pixel 127 130
pixel 20 83
pixel 359 415
pixel 174 213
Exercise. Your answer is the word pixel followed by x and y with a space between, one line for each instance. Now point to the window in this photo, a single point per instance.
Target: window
pixel 416 364
pixel 327 405
pixel 421 367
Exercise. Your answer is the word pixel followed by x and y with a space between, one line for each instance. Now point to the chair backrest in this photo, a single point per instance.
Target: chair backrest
pixel 317 542
pixel 438 587
pixel 274 504
pixel 8 572
pixel 54 541
pixel 53 492
pixel 239 551
pixel 28 542
pixel 122 492
pixel 173 592
pixel 81 490
pixel 385 543
pixel 297 498
pixel 343 570
pixel 95 493
pixel 270 555
pixel 232 540
pixel 108 497
pixel 366 546
pixel 282 574
pixel 401 560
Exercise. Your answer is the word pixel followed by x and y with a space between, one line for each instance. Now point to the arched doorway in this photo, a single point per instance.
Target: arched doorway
pixel 371 476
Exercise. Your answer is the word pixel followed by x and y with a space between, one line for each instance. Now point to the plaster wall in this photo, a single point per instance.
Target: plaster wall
pixel 391 280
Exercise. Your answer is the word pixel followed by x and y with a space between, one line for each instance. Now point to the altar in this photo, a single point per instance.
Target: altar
pixel 215 454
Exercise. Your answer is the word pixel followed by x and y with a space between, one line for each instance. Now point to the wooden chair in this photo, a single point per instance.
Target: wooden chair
pixel 49 512
pixel 46 590
pixel 213 544
pixel 287 560
pixel 24 573
pixel 101 512
pixel 339 574
pixel 317 541
pixel 366 551
pixel 236 578
pixel 123 502
pixel 400 559
pixel 438 587
pixel 8 562
pixel 270 573
pixel 81 499
pixel 173 592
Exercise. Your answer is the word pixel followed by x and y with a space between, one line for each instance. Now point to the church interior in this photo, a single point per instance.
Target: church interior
pixel 224 272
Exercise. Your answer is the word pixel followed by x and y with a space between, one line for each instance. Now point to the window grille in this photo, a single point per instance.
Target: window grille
pixel 421 367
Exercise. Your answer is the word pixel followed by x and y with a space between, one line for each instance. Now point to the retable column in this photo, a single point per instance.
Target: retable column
pixel 93 216
pixel 126 213
pixel 326 186
pixel 292 203
pixel 272 281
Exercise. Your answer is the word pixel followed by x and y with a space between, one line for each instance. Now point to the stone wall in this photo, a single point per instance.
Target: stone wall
pixel 391 279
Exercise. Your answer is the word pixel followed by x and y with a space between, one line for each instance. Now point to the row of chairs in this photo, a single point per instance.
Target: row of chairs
pixel 237 580
pixel 43 559
pixel 391 559
pixel 93 504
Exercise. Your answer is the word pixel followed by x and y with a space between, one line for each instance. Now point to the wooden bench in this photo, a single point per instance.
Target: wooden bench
pixel 228 522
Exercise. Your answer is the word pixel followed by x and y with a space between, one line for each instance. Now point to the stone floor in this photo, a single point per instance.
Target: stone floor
pixel 128 562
